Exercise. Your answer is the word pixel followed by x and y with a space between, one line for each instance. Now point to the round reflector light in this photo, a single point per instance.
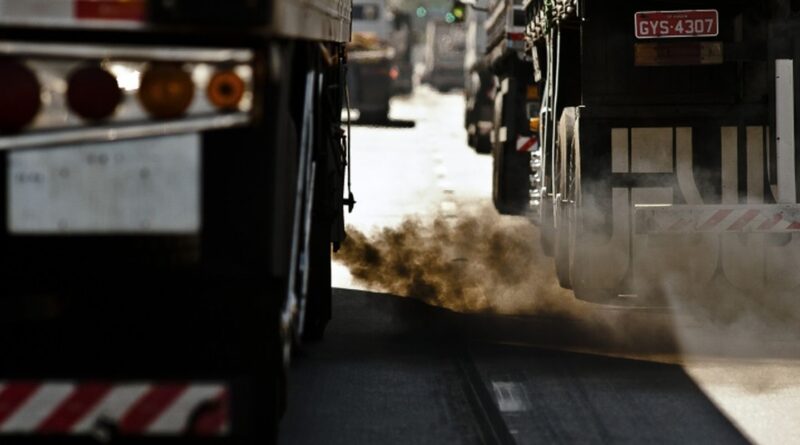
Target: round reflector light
pixel 20 96
pixel 93 93
pixel 166 91
pixel 226 90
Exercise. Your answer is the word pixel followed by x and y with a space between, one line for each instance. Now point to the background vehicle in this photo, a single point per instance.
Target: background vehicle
pixel 516 96
pixel 172 185
pixel 669 154
pixel 403 42
pixel 479 87
pixel 371 60
pixel 444 55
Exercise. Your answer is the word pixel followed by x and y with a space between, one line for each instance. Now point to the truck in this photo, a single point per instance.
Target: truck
pixel 506 70
pixel 444 55
pixel 172 186
pixel 371 58
pixel 402 71
pixel 479 87
pixel 668 162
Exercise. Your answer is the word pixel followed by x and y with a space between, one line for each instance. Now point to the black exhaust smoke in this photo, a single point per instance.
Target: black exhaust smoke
pixel 477 262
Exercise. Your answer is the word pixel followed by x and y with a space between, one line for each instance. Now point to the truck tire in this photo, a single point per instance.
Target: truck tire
pixel 483 144
pixel 318 305
pixel 565 196
pixel 318 299
pixel 546 229
pixel 510 168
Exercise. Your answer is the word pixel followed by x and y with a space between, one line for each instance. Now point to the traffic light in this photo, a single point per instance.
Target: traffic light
pixel 457 13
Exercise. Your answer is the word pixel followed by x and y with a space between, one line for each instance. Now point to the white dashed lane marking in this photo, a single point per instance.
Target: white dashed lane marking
pixel 510 397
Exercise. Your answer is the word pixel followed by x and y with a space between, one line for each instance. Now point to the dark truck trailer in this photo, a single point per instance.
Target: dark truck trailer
pixel 668 163
pixel 479 85
pixel 172 176
pixel 515 97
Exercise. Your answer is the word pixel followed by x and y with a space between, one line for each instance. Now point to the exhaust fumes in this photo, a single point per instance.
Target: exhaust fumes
pixel 481 262
pixel 477 262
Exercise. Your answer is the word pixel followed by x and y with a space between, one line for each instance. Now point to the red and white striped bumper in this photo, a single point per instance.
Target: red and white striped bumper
pixel 665 219
pixel 130 409
pixel 527 144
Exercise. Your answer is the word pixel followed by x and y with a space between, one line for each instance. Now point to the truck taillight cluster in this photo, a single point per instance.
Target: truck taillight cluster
pixel 68 89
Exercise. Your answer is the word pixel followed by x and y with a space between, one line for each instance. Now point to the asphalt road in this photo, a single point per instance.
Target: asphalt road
pixel 394 370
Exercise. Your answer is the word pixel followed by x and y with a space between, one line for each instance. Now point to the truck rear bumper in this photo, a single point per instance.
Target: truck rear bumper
pixel 687 250
pixel 106 410
pixel 658 252
pixel 676 219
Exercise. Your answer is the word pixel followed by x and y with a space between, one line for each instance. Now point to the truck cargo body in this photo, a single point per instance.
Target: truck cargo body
pixel 668 159
pixel 172 183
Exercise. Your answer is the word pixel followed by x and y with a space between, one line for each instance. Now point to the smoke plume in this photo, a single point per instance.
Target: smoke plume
pixel 481 262
pixel 477 262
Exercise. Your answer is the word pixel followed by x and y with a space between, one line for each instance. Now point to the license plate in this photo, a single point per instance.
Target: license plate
pixel 137 186
pixel 677 24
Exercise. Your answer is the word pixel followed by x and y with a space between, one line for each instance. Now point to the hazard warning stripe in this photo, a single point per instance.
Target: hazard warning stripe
pixel 770 223
pixel 29 415
pixel 149 407
pixel 12 396
pixel 77 405
pixel 71 408
pixel 744 220
pixel 718 217
pixel 527 143
pixel 777 218
pixel 113 406
pixel 189 399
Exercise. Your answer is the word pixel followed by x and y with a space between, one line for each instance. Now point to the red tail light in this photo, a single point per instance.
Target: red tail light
pixel 93 93
pixel 20 96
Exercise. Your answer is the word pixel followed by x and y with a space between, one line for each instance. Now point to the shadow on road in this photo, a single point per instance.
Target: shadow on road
pixel 387 123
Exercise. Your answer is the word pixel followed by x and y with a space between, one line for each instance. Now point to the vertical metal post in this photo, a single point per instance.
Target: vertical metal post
pixel 785 130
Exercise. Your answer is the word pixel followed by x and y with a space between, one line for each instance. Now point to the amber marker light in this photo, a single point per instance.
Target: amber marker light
pixel 166 91
pixel 93 93
pixel 226 90
pixel 20 96
pixel 534 124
